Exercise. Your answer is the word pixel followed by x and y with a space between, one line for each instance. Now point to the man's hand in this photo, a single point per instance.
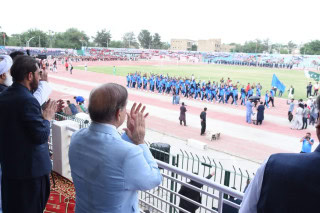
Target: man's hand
pixel 136 124
pixel 60 105
pixel 49 110
pixel 44 76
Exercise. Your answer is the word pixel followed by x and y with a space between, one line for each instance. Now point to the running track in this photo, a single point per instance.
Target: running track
pixel 238 138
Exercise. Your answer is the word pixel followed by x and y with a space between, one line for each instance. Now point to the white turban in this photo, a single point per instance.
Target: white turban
pixel 5 63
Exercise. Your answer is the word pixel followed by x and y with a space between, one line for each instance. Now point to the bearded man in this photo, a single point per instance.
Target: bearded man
pixel 24 133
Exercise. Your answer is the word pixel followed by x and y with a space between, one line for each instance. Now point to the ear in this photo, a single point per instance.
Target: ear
pixel 30 76
pixel 3 76
pixel 118 115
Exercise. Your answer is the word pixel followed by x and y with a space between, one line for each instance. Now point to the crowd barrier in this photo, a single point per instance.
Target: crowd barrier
pixel 164 198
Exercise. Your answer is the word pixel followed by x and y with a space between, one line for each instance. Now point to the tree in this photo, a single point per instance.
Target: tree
pixel 156 41
pixel 311 48
pixel 145 39
pixel 15 40
pixel 102 38
pixel 3 37
pixel 291 46
pixel 165 46
pixel 39 38
pixel 116 44
pixel 129 40
pixel 72 38
pixel 194 47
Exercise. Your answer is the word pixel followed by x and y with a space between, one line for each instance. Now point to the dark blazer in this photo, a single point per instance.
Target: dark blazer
pixel 291 183
pixel 2 87
pixel 192 194
pixel 24 134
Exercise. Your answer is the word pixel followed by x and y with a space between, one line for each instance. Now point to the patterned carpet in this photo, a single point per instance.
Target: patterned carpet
pixel 62 195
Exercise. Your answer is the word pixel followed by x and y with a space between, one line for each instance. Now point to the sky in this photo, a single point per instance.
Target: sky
pixel 231 20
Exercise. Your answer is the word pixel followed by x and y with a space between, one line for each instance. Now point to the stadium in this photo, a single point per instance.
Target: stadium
pixel 201 124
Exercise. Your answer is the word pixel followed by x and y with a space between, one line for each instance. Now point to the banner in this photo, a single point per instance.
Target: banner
pixel 309 74
pixel 277 83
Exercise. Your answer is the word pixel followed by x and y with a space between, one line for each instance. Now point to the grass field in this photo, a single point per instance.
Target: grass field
pixel 213 72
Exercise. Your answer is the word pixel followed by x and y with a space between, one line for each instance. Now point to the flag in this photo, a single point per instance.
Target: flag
pixel 315 76
pixel 277 83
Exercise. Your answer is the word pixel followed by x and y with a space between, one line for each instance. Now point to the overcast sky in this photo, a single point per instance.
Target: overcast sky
pixel 230 20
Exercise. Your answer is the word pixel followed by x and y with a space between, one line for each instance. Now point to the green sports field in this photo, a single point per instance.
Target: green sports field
pixel 213 72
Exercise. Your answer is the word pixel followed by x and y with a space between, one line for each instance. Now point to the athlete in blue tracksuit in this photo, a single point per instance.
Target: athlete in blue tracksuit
pixel 243 96
pixel 128 80
pixel 221 93
pixel 234 95
pixel 266 99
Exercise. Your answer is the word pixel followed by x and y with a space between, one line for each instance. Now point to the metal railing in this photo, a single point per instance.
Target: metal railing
pixel 62 116
pixel 161 198
pixel 165 197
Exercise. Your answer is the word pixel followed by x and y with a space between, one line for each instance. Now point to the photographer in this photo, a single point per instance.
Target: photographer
pixel 307 143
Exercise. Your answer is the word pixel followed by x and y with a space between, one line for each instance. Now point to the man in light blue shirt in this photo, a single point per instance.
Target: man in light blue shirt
pixel 307 143
pixel 108 169
pixel 249 111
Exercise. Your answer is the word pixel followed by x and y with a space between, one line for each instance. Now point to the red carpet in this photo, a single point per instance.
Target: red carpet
pixel 62 196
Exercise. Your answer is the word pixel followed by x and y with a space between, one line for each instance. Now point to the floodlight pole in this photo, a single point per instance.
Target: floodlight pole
pixel 28 42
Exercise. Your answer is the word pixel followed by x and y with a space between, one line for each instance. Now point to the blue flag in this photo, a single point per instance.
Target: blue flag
pixel 277 83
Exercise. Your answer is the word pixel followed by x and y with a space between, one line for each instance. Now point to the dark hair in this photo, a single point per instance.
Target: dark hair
pixel 22 66
pixel 318 102
pixel 14 54
pixel 205 109
pixel 105 101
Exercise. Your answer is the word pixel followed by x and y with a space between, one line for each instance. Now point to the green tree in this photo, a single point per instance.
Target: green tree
pixel 72 38
pixel 15 40
pixel 3 37
pixel 194 47
pixel 156 41
pixel 129 40
pixel 36 38
pixel 284 51
pixel 165 46
pixel 102 38
pixel 116 44
pixel 311 48
pixel 145 39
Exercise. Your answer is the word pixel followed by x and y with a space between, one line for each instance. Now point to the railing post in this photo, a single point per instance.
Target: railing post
pixel 241 179
pixel 220 202
pixel 226 181
pixel 235 175
pixel 221 172
pixel 172 186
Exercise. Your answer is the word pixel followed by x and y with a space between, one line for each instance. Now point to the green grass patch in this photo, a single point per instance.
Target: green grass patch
pixel 214 72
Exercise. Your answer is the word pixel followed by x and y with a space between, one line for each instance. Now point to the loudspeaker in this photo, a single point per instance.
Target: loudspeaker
pixel 160 151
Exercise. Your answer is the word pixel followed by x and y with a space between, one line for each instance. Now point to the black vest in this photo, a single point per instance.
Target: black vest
pixel 291 184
